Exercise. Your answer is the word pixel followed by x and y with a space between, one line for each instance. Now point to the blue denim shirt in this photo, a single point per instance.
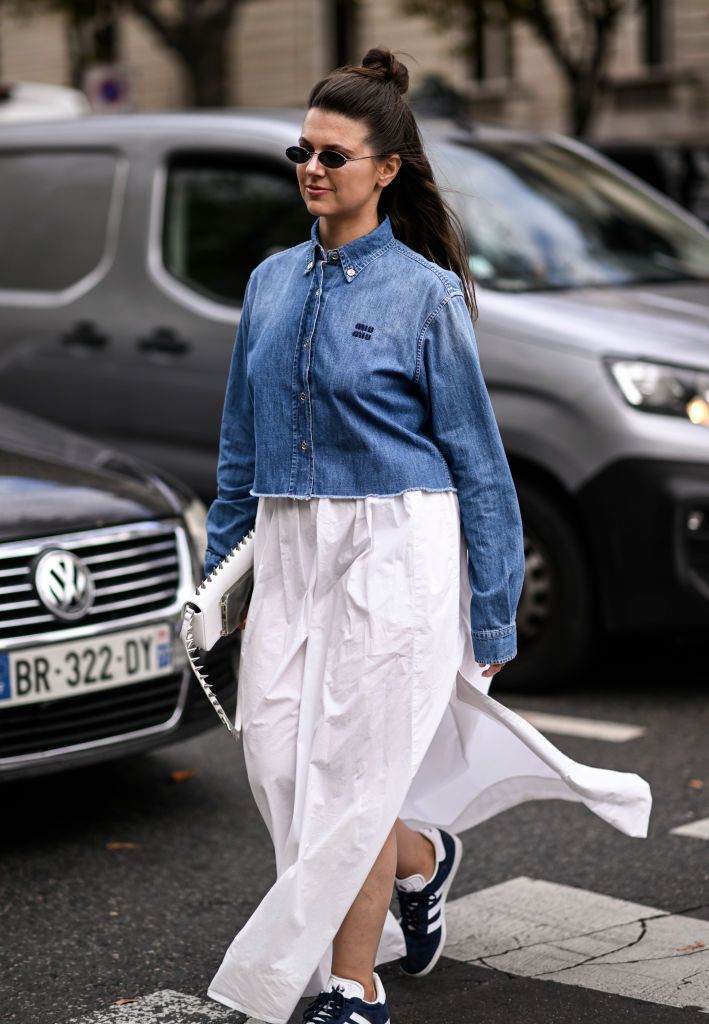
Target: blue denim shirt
pixel 355 372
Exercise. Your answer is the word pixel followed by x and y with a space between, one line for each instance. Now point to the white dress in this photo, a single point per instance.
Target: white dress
pixel 362 702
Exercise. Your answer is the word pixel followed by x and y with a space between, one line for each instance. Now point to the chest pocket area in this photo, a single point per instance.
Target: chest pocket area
pixel 367 356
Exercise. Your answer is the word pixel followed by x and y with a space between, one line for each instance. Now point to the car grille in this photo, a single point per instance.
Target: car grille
pixel 48 725
pixel 135 571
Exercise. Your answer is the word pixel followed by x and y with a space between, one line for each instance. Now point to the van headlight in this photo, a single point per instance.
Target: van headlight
pixel 663 388
pixel 195 517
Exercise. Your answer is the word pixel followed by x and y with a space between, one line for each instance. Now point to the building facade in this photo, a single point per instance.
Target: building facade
pixel 657 84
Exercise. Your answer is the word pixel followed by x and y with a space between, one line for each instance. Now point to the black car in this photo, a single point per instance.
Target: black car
pixel 98 553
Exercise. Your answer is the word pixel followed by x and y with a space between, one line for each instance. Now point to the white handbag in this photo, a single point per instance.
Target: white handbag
pixel 215 610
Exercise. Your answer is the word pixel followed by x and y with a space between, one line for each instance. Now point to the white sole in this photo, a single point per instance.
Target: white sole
pixel 444 896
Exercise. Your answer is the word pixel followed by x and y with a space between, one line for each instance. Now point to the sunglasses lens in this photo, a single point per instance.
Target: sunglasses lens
pixel 329 158
pixel 298 154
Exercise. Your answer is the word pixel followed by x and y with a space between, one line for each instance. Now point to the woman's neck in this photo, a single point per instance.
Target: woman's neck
pixel 334 232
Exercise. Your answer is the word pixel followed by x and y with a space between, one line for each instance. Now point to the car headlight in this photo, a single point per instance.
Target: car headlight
pixel 195 517
pixel 663 388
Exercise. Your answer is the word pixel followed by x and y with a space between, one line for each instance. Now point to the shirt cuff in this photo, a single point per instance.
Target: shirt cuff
pixel 495 646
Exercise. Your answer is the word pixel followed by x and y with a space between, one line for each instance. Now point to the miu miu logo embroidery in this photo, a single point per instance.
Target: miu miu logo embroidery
pixel 363 331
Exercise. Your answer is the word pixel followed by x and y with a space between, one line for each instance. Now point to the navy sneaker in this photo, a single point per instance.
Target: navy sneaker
pixel 422 904
pixel 343 1002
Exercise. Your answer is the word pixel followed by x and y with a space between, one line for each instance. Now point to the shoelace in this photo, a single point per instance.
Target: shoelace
pixel 414 909
pixel 327 1006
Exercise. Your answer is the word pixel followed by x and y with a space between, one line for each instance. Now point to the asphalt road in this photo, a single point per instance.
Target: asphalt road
pixel 86 924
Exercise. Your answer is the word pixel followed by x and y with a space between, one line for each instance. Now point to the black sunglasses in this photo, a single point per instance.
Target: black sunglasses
pixel 327 157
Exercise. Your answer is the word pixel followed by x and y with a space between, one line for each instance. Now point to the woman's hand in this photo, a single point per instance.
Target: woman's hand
pixel 492 669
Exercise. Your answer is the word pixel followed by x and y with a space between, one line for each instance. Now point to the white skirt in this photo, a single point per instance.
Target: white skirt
pixel 362 702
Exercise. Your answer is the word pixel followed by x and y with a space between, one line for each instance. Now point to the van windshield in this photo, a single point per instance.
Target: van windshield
pixel 540 216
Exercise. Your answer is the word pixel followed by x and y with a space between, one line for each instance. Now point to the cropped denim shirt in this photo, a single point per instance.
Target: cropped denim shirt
pixel 355 372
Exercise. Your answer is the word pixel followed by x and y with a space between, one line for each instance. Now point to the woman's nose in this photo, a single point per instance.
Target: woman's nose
pixel 313 165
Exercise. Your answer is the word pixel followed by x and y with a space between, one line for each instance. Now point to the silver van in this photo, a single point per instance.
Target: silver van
pixel 126 244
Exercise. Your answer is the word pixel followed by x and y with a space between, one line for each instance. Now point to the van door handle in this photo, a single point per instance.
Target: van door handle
pixel 85 335
pixel 164 340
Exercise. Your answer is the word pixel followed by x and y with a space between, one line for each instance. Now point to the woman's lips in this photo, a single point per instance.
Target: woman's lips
pixel 315 191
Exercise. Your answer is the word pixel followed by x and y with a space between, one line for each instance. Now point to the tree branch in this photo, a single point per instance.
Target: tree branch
pixel 168 32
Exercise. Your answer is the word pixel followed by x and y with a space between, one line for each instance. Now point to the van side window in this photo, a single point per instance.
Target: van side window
pixel 54 212
pixel 224 215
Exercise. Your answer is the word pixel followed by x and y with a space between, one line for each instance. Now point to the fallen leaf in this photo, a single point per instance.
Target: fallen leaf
pixel 182 775
pixel 116 845
pixel 113 913
pixel 690 949
pixel 696 784
pixel 122 1000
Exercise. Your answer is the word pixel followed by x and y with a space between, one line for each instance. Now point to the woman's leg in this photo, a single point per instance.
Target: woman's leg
pixel 355 945
pixel 415 853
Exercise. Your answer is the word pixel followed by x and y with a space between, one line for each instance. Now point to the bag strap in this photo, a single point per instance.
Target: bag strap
pixel 192 653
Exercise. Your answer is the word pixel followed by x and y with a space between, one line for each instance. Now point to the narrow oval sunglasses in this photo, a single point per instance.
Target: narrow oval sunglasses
pixel 327 157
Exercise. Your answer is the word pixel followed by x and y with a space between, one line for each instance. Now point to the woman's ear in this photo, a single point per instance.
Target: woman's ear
pixel 389 169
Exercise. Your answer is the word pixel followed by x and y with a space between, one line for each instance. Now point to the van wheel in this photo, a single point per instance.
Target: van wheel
pixel 555 615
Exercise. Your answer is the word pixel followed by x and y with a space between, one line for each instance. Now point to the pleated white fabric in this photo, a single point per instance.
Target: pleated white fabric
pixel 362 702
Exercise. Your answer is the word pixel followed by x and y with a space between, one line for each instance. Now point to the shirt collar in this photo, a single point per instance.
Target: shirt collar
pixel 353 256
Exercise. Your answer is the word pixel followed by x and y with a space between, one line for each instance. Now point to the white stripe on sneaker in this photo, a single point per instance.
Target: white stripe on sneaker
pixel 357 1018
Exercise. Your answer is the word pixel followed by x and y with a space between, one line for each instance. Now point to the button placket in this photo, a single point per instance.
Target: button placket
pixel 302 422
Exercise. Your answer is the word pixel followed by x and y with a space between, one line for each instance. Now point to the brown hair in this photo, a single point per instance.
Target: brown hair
pixel 420 216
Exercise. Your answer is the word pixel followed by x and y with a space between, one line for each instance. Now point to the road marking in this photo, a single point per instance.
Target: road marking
pixel 164 1007
pixel 538 929
pixel 696 829
pixel 590 728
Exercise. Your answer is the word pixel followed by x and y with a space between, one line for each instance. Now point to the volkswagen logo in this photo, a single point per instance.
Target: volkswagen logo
pixel 64 584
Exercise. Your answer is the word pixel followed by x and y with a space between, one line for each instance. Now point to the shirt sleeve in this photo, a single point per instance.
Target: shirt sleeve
pixel 464 427
pixel 233 512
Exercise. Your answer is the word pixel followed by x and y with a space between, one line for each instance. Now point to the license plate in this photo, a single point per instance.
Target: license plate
pixel 53 671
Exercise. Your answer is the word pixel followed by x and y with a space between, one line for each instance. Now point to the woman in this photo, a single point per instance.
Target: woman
pixel 359 438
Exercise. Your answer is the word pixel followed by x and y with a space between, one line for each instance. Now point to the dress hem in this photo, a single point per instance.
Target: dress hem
pixel 225 1001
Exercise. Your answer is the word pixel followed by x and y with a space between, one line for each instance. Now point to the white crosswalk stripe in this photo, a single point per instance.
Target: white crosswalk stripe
pixel 695 829
pixel 530 928
pixel 539 929
pixel 588 728
pixel 164 1007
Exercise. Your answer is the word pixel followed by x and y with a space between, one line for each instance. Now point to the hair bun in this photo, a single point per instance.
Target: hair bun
pixel 381 59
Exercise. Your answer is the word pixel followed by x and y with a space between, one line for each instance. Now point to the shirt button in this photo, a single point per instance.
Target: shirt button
pixel 317 291
pixel 303 445
pixel 305 344
pixel 309 266
pixel 302 396
pixel 336 255
pixel 350 272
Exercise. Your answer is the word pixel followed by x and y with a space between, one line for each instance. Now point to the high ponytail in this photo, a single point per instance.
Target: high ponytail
pixel 420 217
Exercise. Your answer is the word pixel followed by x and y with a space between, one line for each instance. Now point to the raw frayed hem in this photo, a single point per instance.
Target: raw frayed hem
pixel 391 494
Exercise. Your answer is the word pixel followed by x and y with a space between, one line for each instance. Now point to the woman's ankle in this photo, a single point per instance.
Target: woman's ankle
pixel 425 862
pixel 366 980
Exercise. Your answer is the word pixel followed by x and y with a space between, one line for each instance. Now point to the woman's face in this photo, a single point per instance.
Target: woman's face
pixel 353 189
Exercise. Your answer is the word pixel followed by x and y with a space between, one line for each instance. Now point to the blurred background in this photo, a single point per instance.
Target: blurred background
pixel 631 75
pixel 142 178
